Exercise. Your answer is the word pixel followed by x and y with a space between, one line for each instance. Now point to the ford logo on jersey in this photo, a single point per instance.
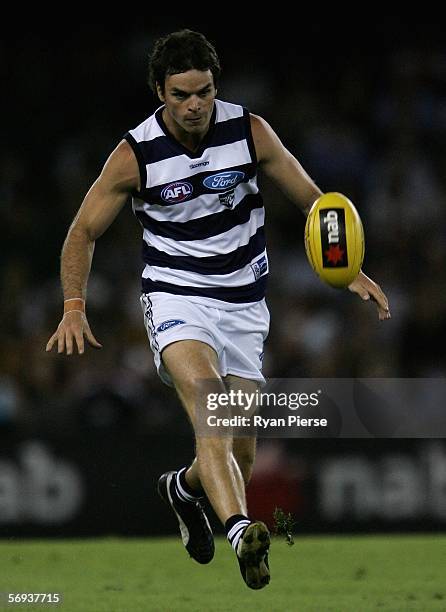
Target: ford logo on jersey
pixel 168 324
pixel 177 192
pixel 224 180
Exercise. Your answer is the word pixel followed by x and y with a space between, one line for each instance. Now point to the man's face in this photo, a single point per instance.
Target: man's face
pixel 189 99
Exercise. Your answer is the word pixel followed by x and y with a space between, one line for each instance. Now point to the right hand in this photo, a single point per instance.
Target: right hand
pixel 73 326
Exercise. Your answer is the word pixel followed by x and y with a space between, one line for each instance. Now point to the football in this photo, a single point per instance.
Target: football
pixel 334 239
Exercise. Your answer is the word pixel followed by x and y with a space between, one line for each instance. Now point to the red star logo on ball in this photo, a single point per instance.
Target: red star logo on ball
pixel 334 254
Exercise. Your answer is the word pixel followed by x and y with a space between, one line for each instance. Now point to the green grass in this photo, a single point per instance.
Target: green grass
pixel 317 574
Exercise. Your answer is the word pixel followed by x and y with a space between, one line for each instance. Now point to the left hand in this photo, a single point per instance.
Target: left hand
pixel 369 290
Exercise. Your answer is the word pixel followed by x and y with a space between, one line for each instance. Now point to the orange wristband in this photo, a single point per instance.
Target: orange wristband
pixel 74 304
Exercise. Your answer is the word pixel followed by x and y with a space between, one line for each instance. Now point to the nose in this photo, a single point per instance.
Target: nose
pixel 194 103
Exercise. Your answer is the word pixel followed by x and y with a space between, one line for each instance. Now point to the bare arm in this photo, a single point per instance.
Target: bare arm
pixel 104 200
pixel 284 169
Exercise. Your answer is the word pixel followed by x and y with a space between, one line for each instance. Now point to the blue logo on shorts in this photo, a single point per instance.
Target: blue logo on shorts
pixel 168 324
pixel 259 267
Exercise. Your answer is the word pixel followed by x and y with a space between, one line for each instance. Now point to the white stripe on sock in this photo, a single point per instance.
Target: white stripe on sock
pixel 182 494
pixel 236 532
pixel 236 540
pixel 242 523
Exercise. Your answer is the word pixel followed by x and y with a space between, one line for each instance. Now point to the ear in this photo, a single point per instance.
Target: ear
pixel 159 91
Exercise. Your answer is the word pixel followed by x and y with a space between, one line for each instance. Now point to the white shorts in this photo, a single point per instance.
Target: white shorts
pixel 237 336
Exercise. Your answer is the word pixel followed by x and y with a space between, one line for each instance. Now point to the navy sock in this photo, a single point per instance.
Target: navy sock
pixel 234 527
pixel 183 490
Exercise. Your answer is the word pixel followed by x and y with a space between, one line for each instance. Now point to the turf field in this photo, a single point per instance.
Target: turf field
pixel 317 574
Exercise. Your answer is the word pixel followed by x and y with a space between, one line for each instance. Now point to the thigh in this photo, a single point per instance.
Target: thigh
pixel 189 363
pixel 170 318
pixel 249 391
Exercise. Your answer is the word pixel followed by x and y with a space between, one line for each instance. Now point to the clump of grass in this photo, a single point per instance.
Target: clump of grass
pixel 284 525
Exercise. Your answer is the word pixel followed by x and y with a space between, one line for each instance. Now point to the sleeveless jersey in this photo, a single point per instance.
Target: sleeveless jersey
pixel 202 214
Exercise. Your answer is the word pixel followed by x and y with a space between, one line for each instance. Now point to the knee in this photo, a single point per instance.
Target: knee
pixel 194 395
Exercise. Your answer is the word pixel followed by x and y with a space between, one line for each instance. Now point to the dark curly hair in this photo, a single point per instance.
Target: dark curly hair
pixel 179 52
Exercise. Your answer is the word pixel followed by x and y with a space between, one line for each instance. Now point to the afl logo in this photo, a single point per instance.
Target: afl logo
pixel 176 192
pixel 224 180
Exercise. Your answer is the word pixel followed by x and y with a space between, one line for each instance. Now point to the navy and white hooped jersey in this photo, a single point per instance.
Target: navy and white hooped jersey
pixel 202 213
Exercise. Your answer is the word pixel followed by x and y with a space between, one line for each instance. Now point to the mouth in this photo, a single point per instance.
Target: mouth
pixel 193 120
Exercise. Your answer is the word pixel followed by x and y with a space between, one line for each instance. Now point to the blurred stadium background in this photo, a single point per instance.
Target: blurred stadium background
pixel 82 440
